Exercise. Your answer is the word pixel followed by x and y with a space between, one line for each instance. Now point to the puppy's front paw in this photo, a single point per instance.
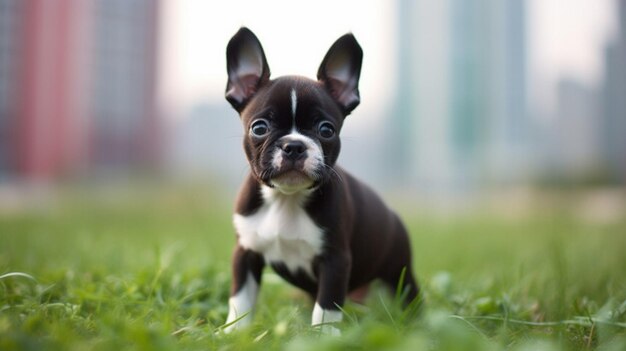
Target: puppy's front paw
pixel 327 329
pixel 323 320
pixel 229 329
pixel 236 322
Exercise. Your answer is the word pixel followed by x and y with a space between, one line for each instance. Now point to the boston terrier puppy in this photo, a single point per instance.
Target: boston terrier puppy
pixel 317 226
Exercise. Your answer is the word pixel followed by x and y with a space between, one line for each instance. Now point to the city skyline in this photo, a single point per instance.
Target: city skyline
pixel 562 41
pixel 77 86
pixel 452 94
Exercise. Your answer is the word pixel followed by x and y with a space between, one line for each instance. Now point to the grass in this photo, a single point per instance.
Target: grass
pixel 149 270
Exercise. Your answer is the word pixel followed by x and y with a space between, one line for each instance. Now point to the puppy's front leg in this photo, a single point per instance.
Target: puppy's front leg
pixel 334 271
pixel 246 270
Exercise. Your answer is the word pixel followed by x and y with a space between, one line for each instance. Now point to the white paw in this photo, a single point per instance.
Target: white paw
pixel 328 330
pixel 323 320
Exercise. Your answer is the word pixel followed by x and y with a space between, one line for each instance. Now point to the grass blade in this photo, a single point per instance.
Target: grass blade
pixel 18 274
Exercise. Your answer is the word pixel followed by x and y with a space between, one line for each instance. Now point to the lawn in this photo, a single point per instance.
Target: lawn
pixel 148 269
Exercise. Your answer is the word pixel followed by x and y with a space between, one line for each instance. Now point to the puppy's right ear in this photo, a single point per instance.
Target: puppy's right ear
pixel 340 71
pixel 247 68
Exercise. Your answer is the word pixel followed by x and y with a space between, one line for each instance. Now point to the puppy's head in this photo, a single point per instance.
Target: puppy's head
pixel 291 123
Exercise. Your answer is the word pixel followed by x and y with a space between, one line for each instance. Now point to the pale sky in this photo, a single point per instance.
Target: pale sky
pixel 294 34
pixel 565 37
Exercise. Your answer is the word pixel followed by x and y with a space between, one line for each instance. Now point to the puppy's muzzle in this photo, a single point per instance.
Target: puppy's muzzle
pixel 293 150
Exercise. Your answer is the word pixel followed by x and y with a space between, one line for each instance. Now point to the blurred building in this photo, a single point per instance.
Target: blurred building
pixel 574 142
pixel 207 143
pixel 8 54
pixel 125 126
pixel 462 102
pixel 614 100
pixel 77 86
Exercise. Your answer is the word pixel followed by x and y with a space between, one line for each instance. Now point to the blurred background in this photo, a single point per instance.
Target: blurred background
pixel 458 97
pixel 495 128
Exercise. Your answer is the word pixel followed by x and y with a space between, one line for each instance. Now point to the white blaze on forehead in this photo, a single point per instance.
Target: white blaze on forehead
pixel 294 104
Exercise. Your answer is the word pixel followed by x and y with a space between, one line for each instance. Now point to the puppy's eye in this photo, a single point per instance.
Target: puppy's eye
pixel 260 128
pixel 326 130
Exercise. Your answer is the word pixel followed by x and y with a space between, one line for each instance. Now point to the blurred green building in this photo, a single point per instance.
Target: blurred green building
pixel 461 113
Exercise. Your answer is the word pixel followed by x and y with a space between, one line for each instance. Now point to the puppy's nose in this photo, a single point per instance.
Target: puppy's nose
pixel 294 150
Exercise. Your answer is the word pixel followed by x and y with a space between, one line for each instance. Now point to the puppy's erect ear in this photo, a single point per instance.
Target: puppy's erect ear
pixel 247 68
pixel 340 71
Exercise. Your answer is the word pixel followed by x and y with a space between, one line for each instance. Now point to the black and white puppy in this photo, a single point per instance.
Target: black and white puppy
pixel 317 226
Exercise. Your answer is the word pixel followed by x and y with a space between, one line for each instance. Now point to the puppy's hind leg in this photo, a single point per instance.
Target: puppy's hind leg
pixel 402 282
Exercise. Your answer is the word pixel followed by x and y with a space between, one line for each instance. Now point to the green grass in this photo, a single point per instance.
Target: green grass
pixel 149 270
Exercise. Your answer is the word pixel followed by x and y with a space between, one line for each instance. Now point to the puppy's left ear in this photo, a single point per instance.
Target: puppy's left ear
pixel 340 71
pixel 247 68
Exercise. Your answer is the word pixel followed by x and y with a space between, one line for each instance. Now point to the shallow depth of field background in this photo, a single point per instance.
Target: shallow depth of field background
pixel 496 130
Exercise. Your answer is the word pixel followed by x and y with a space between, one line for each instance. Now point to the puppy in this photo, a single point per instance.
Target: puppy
pixel 317 226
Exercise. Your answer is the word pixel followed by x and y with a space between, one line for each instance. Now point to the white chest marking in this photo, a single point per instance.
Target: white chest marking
pixel 281 231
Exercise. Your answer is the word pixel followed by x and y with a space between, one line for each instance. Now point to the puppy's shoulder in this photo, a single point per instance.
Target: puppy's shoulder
pixel 249 199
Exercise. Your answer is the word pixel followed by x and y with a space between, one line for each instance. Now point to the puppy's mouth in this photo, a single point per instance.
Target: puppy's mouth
pixel 292 181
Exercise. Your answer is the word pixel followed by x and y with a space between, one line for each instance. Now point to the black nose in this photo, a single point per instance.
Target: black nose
pixel 294 150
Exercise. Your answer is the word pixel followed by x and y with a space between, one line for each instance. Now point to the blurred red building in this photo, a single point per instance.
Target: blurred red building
pixel 77 86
